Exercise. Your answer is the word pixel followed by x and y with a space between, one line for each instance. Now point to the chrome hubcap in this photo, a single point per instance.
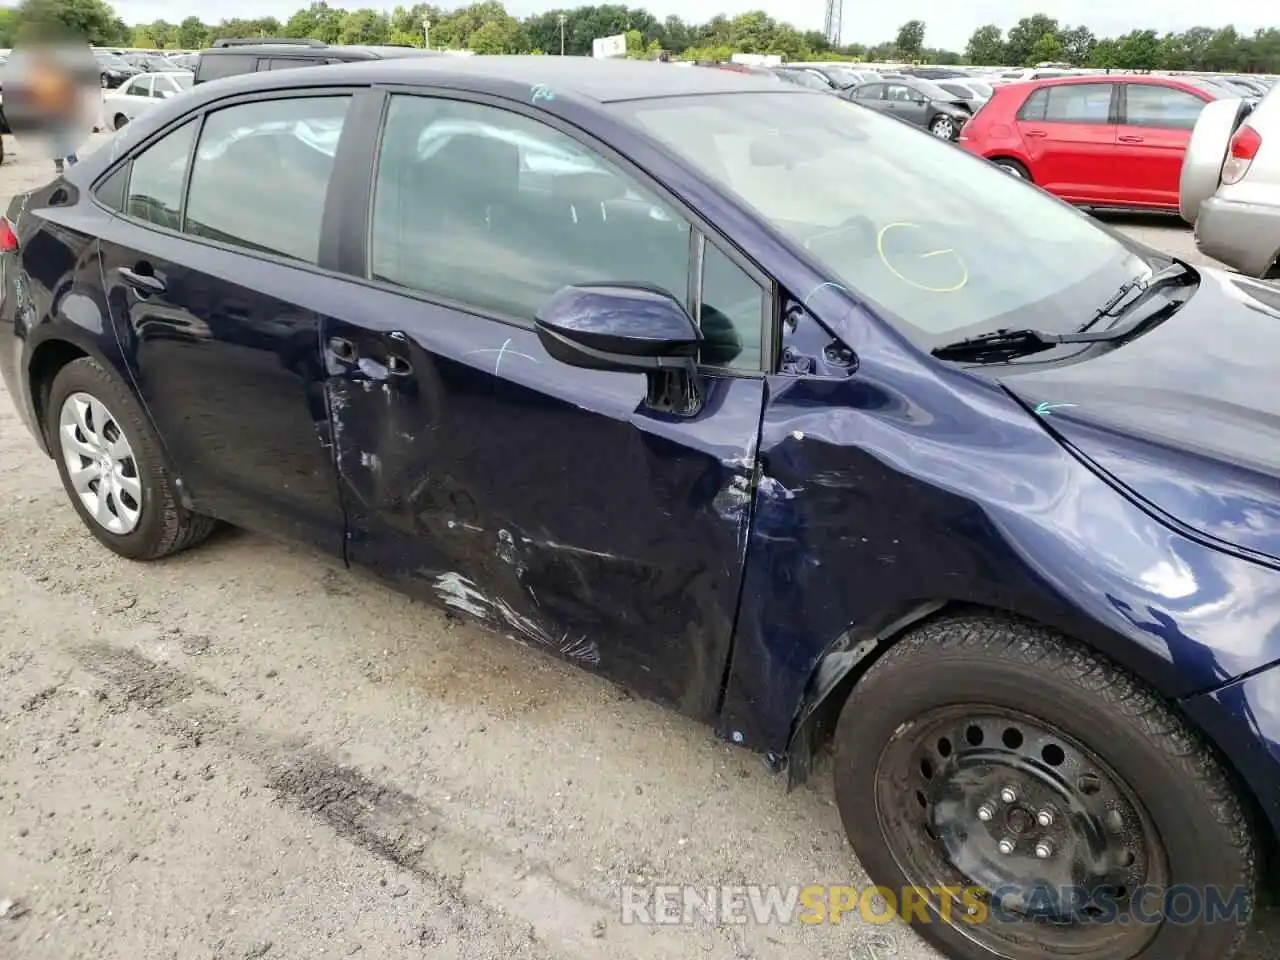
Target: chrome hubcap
pixel 943 129
pixel 100 464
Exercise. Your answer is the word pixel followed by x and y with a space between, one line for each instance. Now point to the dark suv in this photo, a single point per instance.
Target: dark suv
pixel 230 57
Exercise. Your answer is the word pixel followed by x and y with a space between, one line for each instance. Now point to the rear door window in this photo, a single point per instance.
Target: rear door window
pixel 261 172
pixel 154 193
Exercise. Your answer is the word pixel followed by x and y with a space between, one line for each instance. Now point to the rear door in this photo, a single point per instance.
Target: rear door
pixel 212 271
pixel 1156 121
pixel 555 503
pixel 1069 130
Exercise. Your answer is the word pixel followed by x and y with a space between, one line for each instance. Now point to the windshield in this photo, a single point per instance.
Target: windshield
pixel 944 244
pixel 842 76
pixel 805 79
pixel 956 89
pixel 184 80
pixel 931 89
pixel 983 90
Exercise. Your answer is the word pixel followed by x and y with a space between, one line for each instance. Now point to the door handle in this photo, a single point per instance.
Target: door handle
pixel 1131 139
pixel 143 283
pixel 398 366
pixel 1038 134
pixel 342 348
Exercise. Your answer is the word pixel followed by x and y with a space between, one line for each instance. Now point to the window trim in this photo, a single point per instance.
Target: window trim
pixel 198 116
pixel 1113 105
pixel 1124 104
pixel 358 268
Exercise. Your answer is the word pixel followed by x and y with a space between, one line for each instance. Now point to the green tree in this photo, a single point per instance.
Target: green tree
pixel 986 46
pixel 1048 49
pixel 1025 34
pixel 91 20
pixel 910 40
pixel 1077 44
pixel 1138 50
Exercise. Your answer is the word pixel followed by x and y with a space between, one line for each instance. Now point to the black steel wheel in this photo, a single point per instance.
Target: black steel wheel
pixel 1041 802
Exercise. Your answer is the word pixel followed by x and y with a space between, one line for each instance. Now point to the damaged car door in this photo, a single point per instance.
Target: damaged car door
pixel 579 510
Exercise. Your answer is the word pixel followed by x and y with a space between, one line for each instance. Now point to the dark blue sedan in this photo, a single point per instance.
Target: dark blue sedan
pixel 763 405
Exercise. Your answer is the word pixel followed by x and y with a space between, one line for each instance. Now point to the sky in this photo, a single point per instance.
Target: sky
pixel 949 23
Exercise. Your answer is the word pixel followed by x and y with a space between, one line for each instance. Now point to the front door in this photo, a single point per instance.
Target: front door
pixel 549 501
pixel 1155 127
pixel 907 104
pixel 216 309
pixel 1069 131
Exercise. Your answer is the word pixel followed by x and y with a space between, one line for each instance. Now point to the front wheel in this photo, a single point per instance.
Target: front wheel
pixel 112 469
pixel 943 127
pixel 1022 798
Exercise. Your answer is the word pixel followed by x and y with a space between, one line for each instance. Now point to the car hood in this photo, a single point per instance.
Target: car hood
pixel 1186 417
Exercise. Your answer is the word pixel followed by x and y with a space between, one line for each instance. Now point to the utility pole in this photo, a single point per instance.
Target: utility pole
pixel 562 18
pixel 426 33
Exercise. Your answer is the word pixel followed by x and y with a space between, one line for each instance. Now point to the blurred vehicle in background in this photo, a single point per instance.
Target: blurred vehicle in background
pixel 153 63
pixel 804 77
pixel 841 76
pixel 1230 185
pixel 974 93
pixel 921 103
pixel 1103 140
pixel 935 73
pixel 115 69
pixel 142 93
pixel 231 57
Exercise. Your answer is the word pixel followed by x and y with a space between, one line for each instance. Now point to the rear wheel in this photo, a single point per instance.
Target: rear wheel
pixel 1041 801
pixel 111 467
pixel 1013 167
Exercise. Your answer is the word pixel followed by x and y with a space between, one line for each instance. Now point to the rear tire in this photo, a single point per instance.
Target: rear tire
pixel 1013 167
pixel 121 487
pixel 1160 804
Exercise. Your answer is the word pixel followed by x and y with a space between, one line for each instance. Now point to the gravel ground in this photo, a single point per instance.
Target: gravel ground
pixel 247 751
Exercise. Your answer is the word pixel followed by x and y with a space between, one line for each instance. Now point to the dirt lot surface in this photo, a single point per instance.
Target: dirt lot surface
pixel 248 751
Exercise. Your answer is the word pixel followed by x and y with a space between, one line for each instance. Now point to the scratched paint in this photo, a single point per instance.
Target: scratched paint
pixel 459 593
pixel 501 352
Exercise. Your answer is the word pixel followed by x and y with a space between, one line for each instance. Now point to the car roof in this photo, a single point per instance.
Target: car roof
pixel 587 78
pixel 1101 78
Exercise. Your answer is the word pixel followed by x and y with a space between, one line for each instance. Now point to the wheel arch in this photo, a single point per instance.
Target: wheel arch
pixel 849 658
pixel 1010 158
pixel 47 359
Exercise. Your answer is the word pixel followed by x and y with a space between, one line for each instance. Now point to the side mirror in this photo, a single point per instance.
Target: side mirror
pixel 627 328
pixel 166 94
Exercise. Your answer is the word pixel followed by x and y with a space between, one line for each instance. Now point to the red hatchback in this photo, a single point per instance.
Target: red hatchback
pixel 1100 140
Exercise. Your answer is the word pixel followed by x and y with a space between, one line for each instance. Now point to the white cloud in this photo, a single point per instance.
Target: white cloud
pixel 949 23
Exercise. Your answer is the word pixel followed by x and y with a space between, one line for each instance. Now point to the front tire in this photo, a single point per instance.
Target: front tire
pixel 1004 762
pixel 111 467
pixel 943 127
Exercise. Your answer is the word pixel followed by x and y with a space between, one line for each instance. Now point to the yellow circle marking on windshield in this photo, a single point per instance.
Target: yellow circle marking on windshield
pixel 935 253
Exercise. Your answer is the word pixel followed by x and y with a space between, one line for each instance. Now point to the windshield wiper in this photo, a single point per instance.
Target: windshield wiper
pixel 1007 343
